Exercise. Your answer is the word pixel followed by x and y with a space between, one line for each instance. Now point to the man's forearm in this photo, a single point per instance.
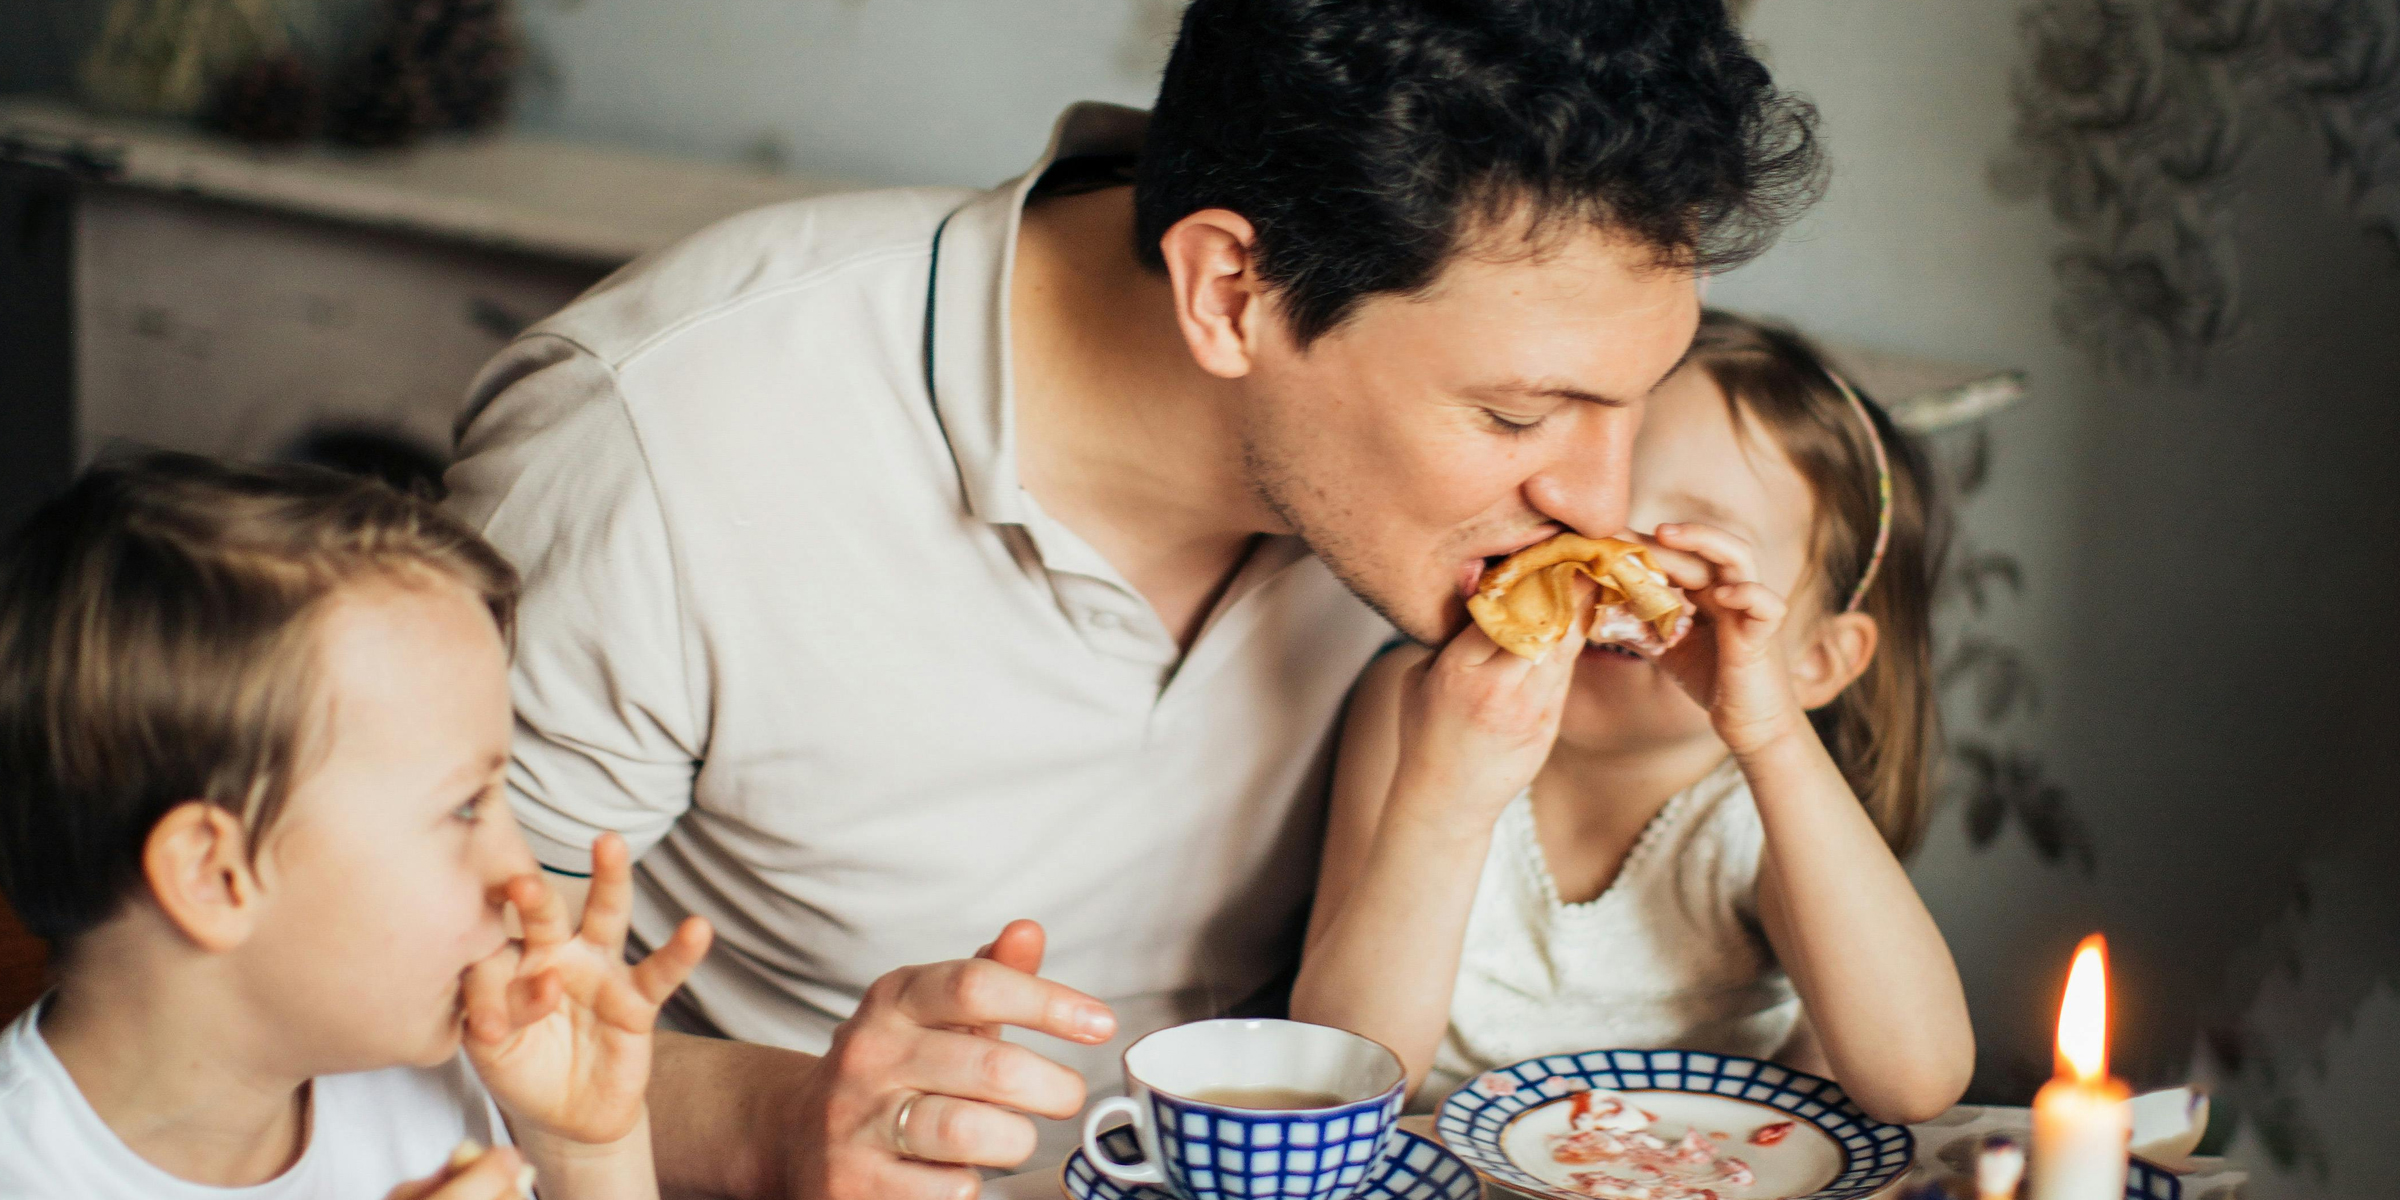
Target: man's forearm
pixel 721 1115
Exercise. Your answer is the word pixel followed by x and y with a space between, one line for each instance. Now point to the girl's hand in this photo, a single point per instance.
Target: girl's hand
pixel 1733 663
pixel 1476 722
pixel 558 1025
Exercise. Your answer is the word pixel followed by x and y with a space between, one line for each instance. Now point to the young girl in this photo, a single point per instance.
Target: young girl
pixel 1700 851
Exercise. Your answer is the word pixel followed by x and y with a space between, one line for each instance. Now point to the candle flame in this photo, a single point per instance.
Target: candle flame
pixel 2083 1016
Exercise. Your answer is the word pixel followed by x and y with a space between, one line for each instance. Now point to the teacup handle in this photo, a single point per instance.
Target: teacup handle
pixel 1141 1172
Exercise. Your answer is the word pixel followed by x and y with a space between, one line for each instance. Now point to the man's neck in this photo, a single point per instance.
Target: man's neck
pixel 1120 435
pixel 168 1066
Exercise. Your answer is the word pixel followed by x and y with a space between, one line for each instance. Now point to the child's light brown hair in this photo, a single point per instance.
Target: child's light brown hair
pixel 1884 728
pixel 157 646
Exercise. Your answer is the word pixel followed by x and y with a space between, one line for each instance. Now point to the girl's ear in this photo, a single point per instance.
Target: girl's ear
pixel 1837 653
pixel 1211 258
pixel 197 863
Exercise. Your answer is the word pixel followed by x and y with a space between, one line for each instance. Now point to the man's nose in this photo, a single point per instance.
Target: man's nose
pixel 1587 485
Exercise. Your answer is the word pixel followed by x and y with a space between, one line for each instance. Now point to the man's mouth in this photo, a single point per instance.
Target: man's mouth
pixel 1472 571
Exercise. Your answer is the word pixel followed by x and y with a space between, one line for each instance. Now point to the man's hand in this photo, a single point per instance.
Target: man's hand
pixel 917 1088
pixel 558 1026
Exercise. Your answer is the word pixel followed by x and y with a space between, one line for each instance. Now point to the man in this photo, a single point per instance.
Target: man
pixel 903 563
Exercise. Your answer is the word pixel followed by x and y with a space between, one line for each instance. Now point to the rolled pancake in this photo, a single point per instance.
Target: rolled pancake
pixel 1529 602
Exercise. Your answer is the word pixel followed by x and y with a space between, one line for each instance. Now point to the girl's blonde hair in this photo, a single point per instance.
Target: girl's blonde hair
pixel 1883 730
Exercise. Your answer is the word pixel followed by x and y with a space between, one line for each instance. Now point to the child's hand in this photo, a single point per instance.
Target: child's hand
pixel 558 1025
pixel 1733 662
pixel 1476 722
pixel 495 1174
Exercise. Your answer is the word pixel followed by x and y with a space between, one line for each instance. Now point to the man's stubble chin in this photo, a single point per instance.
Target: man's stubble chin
pixel 1315 518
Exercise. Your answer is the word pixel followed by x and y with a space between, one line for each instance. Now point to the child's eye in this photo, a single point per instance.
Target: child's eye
pixel 1512 426
pixel 471 811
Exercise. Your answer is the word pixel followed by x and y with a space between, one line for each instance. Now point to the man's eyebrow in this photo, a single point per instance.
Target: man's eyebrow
pixel 1560 391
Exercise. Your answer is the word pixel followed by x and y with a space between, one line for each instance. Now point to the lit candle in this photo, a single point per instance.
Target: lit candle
pixel 2081 1126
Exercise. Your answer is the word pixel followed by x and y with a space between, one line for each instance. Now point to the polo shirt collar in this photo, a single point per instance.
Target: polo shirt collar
pixel 966 311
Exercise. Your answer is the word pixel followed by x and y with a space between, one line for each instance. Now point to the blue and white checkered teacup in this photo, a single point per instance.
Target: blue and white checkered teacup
pixel 1204 1150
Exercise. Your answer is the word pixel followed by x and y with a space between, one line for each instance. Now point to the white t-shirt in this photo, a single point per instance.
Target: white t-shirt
pixel 1670 955
pixel 368 1133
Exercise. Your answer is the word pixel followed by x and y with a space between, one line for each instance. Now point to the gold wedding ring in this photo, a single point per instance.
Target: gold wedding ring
pixel 900 1124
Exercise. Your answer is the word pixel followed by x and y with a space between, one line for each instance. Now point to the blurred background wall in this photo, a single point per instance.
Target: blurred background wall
pixel 2207 549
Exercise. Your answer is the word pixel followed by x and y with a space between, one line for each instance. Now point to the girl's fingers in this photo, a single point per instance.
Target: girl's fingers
pixel 1756 601
pixel 1683 568
pixel 1732 557
pixel 608 907
pixel 1558 667
pixel 540 911
pixel 1471 648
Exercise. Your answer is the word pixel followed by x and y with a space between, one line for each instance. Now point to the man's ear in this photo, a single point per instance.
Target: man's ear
pixel 1836 655
pixel 1219 299
pixel 197 863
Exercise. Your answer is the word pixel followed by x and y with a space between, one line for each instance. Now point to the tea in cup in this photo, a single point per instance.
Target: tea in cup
pixel 1243 1108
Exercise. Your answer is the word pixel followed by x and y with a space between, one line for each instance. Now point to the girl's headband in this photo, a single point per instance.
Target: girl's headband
pixel 1883 490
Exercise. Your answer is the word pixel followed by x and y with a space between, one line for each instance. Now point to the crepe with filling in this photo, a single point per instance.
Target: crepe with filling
pixel 1529 602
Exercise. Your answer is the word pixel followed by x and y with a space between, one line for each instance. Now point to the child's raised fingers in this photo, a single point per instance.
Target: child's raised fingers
pixel 539 910
pixel 657 976
pixel 532 997
pixel 608 907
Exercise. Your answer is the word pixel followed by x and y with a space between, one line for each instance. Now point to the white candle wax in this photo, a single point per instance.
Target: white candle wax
pixel 2081 1134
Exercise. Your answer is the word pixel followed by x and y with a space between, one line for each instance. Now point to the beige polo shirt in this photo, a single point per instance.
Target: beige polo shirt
pixel 795 630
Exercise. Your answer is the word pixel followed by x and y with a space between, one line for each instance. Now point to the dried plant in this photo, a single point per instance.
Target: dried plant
pixel 1992 685
pixel 2132 119
pixel 167 57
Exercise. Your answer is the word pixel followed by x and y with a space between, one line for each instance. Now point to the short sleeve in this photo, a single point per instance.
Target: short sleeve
pixel 609 724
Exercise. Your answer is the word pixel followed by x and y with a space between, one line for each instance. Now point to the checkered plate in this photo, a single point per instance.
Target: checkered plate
pixel 1475 1120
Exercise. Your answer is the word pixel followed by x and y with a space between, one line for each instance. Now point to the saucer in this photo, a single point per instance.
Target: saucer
pixel 1413 1168
pixel 1774 1131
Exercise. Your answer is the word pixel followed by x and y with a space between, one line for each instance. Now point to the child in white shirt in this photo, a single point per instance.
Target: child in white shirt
pixel 253 729
pixel 1691 850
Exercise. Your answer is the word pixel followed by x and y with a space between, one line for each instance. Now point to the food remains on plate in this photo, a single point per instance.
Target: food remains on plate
pixel 1630 1162
pixel 1770 1133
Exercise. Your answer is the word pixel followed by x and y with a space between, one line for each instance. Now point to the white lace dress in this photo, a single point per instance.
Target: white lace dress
pixel 1671 954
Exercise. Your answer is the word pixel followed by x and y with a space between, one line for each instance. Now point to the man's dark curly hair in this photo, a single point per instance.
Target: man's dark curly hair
pixel 1366 139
